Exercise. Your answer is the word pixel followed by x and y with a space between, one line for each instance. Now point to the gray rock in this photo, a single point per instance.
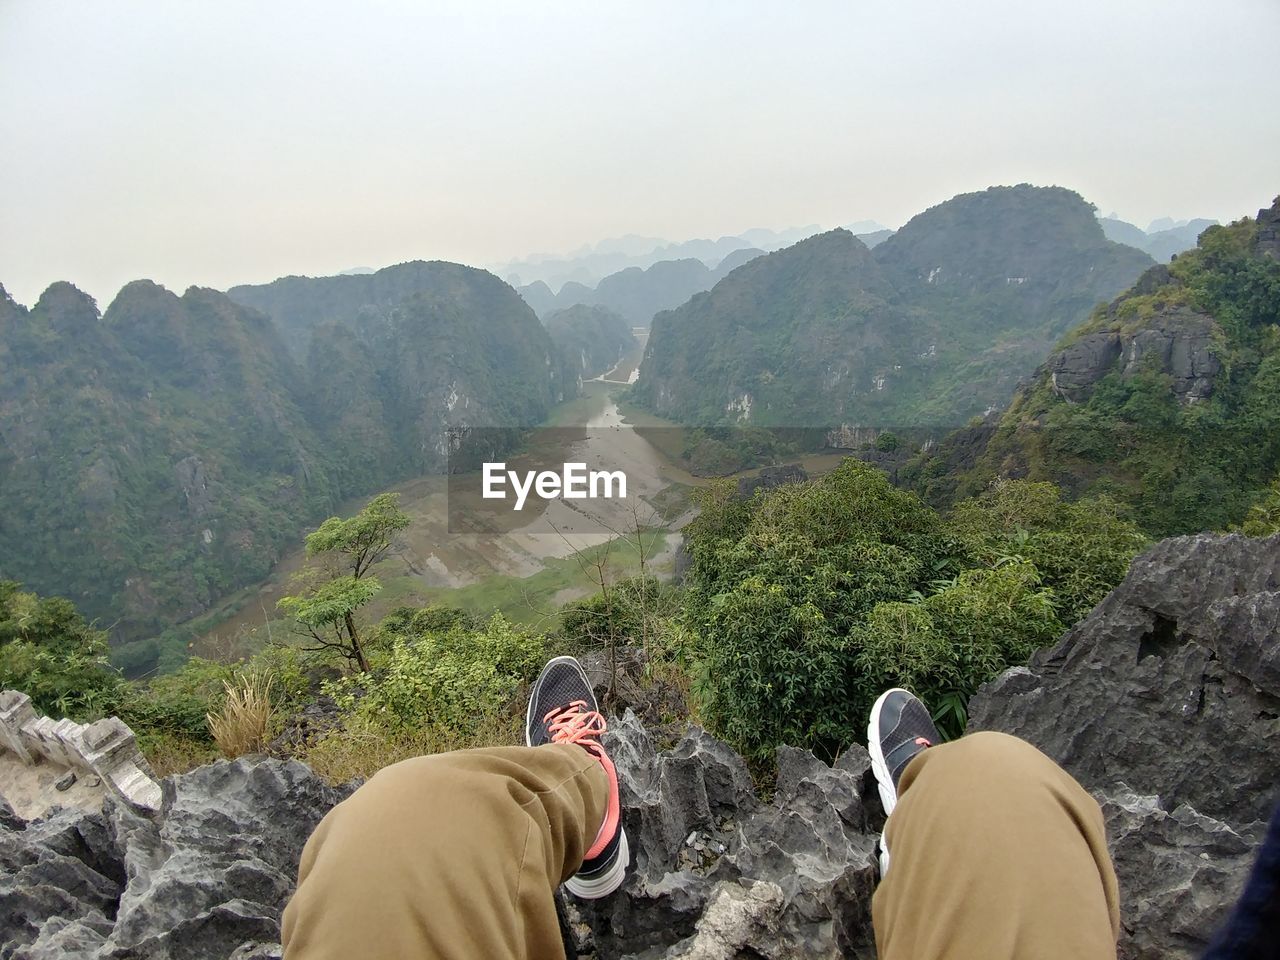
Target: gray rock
pixel 770 478
pixel 1176 869
pixel 1268 240
pixel 1177 342
pixel 194 484
pixel 1170 691
pixel 715 871
pixel 65 782
pixel 8 819
pixel 1077 367
pixel 208 874
pixel 1180 343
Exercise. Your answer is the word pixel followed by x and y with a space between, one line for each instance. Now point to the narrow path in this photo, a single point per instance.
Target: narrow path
pixel 30 791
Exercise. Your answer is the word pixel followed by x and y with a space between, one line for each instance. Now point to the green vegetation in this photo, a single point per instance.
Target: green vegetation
pixel 451 678
pixel 1263 519
pixel 50 653
pixel 808 601
pixel 1082 548
pixel 800 605
pixel 161 455
pixel 1182 427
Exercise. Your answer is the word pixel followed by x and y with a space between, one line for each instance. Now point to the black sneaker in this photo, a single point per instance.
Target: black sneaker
pixel 900 727
pixel 563 709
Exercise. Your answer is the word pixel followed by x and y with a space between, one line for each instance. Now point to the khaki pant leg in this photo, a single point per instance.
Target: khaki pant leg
pixel 448 857
pixel 995 852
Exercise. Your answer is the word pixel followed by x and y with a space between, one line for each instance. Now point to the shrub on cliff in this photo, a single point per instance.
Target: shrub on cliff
pixel 50 653
pixel 1082 549
pixel 450 678
pixel 777 588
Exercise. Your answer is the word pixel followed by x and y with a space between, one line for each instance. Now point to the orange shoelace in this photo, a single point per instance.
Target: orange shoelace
pixel 577 725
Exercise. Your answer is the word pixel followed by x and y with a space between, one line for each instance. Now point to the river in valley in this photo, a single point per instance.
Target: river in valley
pixel 544 556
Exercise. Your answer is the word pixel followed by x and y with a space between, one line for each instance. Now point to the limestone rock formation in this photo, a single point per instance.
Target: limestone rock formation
pixel 1178 342
pixel 206 877
pixel 716 871
pixel 1165 703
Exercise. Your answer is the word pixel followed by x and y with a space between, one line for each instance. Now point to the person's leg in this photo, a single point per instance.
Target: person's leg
pixel 994 852
pixel 450 856
pixel 459 855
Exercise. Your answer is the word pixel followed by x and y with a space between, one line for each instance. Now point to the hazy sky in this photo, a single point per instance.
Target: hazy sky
pixel 224 142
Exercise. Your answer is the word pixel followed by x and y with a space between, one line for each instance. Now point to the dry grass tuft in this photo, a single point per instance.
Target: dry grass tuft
pixel 241 725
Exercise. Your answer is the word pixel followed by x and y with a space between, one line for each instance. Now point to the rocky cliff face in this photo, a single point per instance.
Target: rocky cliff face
pixel 1167 398
pixel 1177 342
pixel 168 425
pixel 1164 702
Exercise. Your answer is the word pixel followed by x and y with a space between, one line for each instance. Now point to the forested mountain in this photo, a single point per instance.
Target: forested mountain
pixel 637 294
pixel 156 457
pixel 593 339
pixel 935 324
pixel 1168 398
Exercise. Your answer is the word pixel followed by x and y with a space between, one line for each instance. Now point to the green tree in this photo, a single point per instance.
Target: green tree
pixel 887 442
pixel 948 644
pixel 349 549
pixel 50 653
pixel 777 587
pixel 1263 519
pixel 1081 549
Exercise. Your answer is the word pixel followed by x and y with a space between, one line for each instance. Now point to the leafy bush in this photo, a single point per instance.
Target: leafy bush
pixel 449 680
pixel 776 590
pixel 887 442
pixel 1081 549
pixel 948 644
pixel 1263 518
pixel 49 653
pixel 629 611
pixel 177 703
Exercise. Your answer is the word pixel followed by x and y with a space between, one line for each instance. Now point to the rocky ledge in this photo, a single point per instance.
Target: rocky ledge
pixel 1165 702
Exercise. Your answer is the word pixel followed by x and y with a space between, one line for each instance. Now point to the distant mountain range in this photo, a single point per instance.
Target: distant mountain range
pixel 591 264
pixel 936 324
pixel 1162 240
pixel 635 293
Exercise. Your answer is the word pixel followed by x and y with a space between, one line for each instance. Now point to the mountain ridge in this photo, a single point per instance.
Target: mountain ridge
pixel 935 324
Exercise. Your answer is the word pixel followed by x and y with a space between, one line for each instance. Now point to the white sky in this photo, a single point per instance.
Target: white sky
pixel 226 142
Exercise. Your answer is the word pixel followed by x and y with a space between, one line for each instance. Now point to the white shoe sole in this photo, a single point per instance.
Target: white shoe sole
pixel 608 881
pixel 884 778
